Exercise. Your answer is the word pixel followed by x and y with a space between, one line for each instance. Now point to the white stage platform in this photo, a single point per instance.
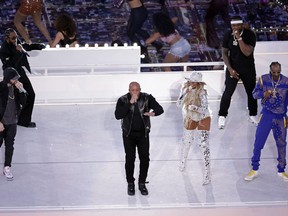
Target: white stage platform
pixel 73 162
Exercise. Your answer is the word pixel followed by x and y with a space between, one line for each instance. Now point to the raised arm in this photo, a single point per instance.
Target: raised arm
pixel 59 36
pixel 155 36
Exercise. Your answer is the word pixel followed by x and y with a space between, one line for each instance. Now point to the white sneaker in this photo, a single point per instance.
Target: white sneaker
pixel 254 120
pixel 283 175
pixel 221 122
pixel 251 175
pixel 7 173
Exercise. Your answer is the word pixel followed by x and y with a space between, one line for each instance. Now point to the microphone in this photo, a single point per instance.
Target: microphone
pixel 189 89
pixel 22 90
pixel 180 98
pixel 25 52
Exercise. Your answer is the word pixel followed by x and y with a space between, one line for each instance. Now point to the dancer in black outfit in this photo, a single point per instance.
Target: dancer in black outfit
pixel 216 7
pixel 138 15
pixel 14 54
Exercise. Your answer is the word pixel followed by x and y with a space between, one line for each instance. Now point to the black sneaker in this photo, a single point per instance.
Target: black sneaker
pixel 131 189
pixel 29 125
pixel 143 189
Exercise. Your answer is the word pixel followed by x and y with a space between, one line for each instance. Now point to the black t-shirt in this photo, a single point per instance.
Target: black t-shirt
pixel 137 121
pixel 237 59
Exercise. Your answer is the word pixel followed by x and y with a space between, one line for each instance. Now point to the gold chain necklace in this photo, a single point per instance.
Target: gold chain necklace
pixel 275 86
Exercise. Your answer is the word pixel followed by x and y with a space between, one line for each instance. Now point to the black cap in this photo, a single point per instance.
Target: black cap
pixel 10 73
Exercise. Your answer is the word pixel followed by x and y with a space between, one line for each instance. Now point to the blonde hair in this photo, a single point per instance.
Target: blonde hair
pixel 192 99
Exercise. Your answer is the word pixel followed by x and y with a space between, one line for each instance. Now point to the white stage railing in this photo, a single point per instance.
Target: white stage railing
pixel 95 88
pixel 102 74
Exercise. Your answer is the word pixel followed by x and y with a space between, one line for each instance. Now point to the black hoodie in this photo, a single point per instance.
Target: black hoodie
pixel 20 98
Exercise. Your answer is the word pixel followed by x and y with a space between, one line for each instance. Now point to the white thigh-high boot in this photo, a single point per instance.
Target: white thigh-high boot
pixel 188 138
pixel 203 142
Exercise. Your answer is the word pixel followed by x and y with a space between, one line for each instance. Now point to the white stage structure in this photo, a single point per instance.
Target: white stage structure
pixel 102 74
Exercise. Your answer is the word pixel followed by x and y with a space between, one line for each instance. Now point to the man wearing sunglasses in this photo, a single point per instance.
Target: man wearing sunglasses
pixel 272 89
pixel 14 54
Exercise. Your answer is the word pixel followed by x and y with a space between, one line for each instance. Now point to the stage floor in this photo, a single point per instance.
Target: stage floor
pixel 74 161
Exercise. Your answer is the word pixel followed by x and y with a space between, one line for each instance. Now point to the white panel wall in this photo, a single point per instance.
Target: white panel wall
pixel 102 74
pixel 269 51
pixel 91 59
pixel 107 88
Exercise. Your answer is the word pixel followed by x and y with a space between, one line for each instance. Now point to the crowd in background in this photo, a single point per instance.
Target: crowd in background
pixel 98 21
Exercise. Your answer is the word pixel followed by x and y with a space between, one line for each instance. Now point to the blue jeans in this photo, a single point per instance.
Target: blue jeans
pixel 181 48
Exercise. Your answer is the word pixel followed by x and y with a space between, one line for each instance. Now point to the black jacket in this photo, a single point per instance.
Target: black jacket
pixel 125 110
pixel 11 57
pixel 20 99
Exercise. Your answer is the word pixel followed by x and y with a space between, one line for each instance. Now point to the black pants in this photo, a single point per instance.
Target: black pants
pixel 8 135
pixel 249 81
pixel 26 113
pixel 216 7
pixel 136 20
pixel 142 144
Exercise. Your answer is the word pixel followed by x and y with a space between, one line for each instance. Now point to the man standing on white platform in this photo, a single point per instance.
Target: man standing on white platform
pixel 237 52
pixel 134 109
pixel 14 54
pixel 272 89
pixel 12 99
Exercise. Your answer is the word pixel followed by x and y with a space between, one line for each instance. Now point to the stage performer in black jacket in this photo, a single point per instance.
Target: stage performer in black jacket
pixel 134 109
pixel 14 54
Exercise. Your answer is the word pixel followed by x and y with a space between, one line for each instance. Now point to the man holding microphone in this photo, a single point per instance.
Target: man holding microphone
pixel 134 109
pixel 237 52
pixel 12 99
pixel 14 54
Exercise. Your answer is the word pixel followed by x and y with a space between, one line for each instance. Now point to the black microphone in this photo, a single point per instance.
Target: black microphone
pixel 180 98
pixel 189 89
pixel 25 52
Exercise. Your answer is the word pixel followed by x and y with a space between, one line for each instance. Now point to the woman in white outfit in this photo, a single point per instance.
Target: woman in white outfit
pixel 197 120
